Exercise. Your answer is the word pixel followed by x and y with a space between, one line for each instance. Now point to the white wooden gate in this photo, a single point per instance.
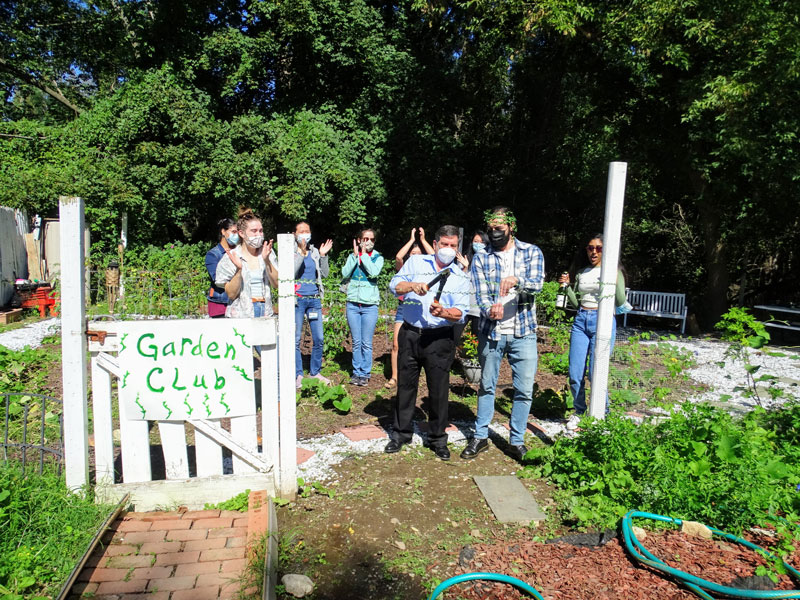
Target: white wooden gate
pixel 270 465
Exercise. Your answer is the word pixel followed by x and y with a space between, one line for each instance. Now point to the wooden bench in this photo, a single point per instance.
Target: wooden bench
pixel 657 304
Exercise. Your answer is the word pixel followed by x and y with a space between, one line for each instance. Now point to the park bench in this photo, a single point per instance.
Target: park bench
pixel 657 304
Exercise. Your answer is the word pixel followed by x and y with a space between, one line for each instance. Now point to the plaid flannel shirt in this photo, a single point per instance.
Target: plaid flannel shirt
pixel 486 274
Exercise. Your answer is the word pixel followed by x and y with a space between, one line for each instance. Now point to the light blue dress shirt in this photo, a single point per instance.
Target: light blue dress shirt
pixel 416 309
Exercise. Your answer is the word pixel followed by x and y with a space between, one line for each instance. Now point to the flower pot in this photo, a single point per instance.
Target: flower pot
pixel 472 371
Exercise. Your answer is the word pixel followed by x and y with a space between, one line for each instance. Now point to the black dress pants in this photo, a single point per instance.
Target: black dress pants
pixel 433 350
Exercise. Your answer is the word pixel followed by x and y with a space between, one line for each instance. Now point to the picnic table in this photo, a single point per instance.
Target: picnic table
pixel 784 317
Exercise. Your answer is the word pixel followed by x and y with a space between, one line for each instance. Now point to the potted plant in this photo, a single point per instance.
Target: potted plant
pixel 468 355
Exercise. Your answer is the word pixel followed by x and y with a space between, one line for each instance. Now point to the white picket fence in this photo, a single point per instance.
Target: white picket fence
pixel 270 465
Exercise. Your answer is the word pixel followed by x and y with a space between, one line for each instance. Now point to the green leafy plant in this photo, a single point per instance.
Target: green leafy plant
pixel 167 280
pixel 739 326
pixel 239 503
pixel 700 464
pixel 555 362
pixel 742 329
pixel 44 530
pixel 468 347
pixel 335 395
pixel 306 489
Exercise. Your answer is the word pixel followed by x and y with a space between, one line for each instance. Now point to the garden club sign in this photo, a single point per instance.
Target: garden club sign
pixel 179 370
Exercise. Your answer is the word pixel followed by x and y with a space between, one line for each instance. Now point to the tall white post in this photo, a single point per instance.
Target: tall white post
pixel 612 229
pixel 73 342
pixel 287 473
pixel 123 241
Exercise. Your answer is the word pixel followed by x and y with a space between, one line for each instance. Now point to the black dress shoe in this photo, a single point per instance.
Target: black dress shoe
pixel 392 447
pixel 474 447
pixel 441 452
pixel 517 452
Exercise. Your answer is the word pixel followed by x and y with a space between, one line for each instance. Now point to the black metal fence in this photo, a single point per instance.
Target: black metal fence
pixel 33 430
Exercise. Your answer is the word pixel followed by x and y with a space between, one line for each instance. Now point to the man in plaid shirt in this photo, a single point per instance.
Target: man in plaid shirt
pixel 506 279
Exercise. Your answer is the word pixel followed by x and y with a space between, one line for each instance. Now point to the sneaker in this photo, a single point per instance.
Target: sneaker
pixel 323 379
pixel 298 382
pixel 572 422
pixel 355 380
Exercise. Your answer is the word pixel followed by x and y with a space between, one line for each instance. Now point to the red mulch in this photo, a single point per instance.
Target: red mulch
pixel 565 572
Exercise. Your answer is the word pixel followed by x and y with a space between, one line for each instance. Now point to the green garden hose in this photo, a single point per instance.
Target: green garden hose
pixel 699 586
pixel 488 577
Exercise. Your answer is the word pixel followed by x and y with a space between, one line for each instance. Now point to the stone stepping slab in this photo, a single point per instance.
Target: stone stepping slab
pixel 509 500
pixel 363 432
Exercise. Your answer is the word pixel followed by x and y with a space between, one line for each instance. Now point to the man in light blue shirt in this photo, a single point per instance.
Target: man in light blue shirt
pixel 426 337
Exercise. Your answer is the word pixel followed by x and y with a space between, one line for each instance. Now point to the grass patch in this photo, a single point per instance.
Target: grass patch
pixel 44 531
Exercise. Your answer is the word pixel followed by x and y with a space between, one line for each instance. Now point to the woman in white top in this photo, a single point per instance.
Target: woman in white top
pixel 585 296
pixel 248 272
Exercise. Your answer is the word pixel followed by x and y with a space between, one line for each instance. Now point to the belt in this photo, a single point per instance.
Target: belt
pixel 360 304
pixel 584 308
pixel 258 299
pixel 425 330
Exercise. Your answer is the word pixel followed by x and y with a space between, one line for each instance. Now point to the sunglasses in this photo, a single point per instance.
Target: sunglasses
pixel 366 239
pixel 597 249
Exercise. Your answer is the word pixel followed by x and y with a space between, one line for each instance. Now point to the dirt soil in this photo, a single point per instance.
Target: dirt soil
pixel 388 526
pixel 390 522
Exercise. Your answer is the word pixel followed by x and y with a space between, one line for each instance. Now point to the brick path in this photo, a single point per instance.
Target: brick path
pixel 195 555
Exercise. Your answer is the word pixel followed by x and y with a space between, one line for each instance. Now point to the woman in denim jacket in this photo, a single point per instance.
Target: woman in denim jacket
pixel 310 266
pixel 228 238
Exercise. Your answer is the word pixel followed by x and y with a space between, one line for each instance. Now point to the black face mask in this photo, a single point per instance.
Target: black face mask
pixel 498 238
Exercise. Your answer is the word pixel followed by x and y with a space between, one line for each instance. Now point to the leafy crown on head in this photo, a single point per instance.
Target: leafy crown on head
pixel 504 216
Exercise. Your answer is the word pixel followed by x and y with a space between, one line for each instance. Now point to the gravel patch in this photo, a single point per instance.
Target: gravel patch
pixel 30 335
pixel 727 378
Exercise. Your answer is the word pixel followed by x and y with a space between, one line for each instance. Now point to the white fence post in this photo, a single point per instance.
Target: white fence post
pixel 73 342
pixel 287 471
pixel 615 198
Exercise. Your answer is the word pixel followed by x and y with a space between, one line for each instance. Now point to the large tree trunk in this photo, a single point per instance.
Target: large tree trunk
pixel 715 298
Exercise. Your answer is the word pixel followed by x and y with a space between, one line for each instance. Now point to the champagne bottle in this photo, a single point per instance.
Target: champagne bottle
pixel 561 296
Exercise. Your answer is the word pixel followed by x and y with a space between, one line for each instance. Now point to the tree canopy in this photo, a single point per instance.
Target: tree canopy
pixel 394 114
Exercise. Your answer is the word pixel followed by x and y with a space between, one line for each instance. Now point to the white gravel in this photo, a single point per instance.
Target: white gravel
pixel 726 376
pixel 30 335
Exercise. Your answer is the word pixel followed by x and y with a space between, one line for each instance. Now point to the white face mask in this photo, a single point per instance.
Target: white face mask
pixel 446 255
pixel 256 241
pixel 368 246
pixel 304 237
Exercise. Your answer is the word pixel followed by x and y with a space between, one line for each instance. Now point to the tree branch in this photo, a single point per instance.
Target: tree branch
pixel 29 79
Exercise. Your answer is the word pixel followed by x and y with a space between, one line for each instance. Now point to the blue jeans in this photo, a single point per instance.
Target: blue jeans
pixel 258 311
pixel 362 319
pixel 522 356
pixel 311 307
pixel 581 355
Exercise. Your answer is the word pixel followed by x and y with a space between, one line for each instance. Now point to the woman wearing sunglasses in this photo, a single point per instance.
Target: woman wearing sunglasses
pixel 361 274
pixel 585 296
